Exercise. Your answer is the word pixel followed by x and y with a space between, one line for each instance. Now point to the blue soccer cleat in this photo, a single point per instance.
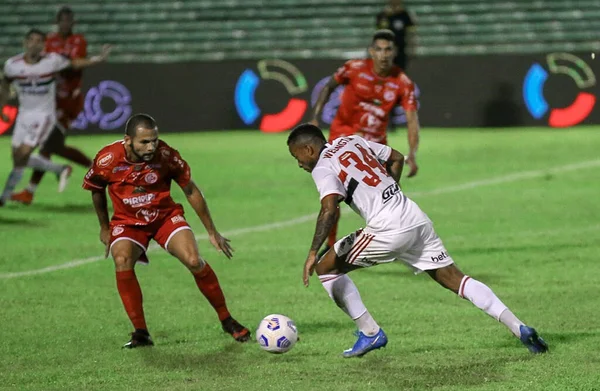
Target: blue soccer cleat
pixel 365 344
pixel 532 340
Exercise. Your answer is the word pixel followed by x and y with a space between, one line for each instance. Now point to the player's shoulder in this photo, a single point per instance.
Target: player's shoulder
pixel 165 150
pixel 110 153
pixel 14 60
pixel 397 74
pixel 77 39
pixel 356 64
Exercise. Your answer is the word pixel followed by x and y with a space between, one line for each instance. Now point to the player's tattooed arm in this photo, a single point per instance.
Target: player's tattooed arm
pixel 395 164
pixel 323 98
pixel 327 218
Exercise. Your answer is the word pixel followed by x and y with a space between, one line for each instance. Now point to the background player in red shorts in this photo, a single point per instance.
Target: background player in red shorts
pixel 69 100
pixel 138 173
pixel 373 87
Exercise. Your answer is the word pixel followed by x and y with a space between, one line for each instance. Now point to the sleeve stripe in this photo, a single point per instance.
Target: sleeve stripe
pixel 90 184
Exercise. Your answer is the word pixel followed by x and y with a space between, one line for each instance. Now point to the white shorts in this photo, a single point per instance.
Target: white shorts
pixel 32 128
pixel 420 248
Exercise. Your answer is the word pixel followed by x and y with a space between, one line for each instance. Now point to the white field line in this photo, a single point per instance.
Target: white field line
pixel 310 217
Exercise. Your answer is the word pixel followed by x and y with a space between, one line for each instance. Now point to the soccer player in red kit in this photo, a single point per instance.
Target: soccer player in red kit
pixel 373 87
pixel 69 100
pixel 138 172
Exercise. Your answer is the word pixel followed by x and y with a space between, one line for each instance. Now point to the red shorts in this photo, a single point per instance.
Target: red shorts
pixel 67 109
pixel 160 230
pixel 337 131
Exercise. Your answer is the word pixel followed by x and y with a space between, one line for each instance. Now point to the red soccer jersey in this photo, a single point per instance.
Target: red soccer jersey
pixel 74 46
pixel 140 192
pixel 368 99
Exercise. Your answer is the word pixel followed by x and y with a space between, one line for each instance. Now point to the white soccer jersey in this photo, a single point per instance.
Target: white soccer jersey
pixel 35 83
pixel 350 167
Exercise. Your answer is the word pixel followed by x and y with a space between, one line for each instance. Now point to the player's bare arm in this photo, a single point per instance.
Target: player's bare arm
pixel 79 63
pixel 198 203
pixel 328 216
pixel 323 98
pixel 395 164
pixel 412 124
pixel 101 207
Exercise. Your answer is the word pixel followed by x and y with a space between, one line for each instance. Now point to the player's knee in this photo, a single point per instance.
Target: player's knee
pixel 194 262
pixel 123 262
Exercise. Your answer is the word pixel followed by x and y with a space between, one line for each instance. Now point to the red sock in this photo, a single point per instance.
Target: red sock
pixel 333 234
pixel 207 282
pixel 131 296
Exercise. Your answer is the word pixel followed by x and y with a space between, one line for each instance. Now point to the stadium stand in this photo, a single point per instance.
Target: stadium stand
pixel 188 30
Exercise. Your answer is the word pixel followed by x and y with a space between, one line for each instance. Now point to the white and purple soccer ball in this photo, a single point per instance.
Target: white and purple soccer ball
pixel 277 333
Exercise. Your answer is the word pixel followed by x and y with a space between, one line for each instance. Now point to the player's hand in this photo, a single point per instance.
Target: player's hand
pixel 221 244
pixel 309 268
pixel 105 239
pixel 412 164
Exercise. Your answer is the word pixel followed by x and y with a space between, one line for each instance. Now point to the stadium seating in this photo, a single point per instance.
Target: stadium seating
pixel 184 30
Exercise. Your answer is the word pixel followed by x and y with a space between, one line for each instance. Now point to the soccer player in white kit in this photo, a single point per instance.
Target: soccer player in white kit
pixel 32 74
pixel 350 169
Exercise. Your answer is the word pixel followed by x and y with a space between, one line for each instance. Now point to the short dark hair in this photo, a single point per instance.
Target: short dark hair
pixel 138 120
pixel 64 10
pixel 306 134
pixel 35 31
pixel 388 35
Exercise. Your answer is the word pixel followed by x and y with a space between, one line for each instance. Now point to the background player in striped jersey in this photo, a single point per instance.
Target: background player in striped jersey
pixel 33 75
pixel 69 100
pixel 349 169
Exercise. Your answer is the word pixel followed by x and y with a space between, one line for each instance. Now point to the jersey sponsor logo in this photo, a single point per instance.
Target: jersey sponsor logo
pixel 165 152
pixel 153 166
pixel 389 96
pixel 392 85
pixel 105 160
pixel 389 192
pixel 151 178
pixel 363 75
pixel 372 109
pixel 120 168
pixel 363 87
pixel 118 230
pixel 139 201
pixel 177 219
pixel 443 255
pixel 148 215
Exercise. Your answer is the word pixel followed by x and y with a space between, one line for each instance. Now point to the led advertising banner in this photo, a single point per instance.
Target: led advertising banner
pixel 271 95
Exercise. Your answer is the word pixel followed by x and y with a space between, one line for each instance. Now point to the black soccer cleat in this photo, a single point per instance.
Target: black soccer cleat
pixel 236 330
pixel 139 338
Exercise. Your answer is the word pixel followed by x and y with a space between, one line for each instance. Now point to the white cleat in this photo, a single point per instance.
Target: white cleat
pixel 63 178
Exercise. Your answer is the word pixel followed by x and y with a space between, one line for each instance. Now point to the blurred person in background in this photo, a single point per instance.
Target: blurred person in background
pixel 396 18
pixel 69 100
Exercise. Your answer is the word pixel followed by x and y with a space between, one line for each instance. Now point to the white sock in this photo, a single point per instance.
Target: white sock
pixel 345 294
pixel 13 180
pixel 41 163
pixel 485 299
pixel 32 187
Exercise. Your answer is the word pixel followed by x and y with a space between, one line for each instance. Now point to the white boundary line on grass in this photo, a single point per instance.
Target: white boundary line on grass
pixel 303 219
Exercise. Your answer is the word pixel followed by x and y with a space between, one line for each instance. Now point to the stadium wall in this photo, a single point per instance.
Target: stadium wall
pixel 558 90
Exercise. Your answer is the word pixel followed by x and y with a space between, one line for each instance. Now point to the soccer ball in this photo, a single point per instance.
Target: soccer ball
pixel 277 333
